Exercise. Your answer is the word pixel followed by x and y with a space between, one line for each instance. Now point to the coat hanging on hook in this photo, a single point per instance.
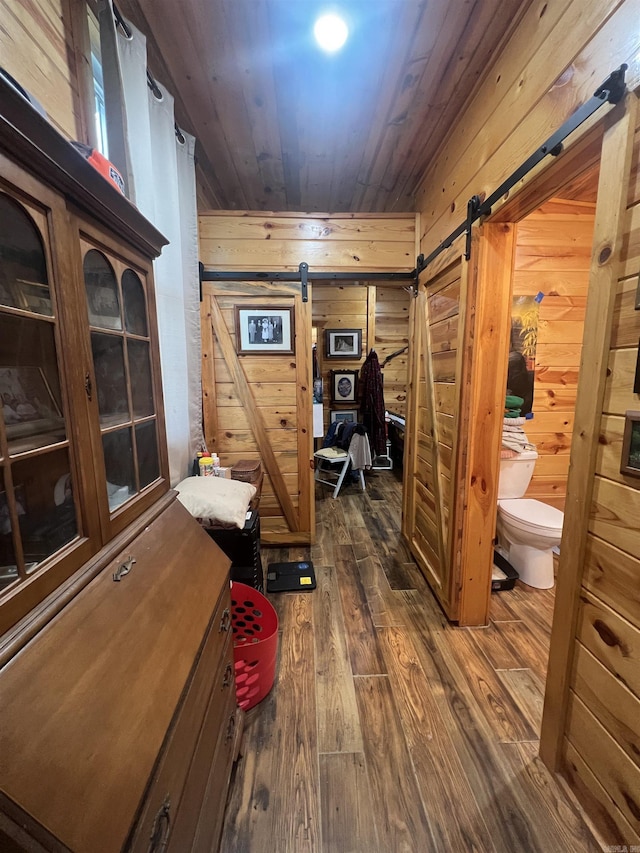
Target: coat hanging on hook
pixel 372 403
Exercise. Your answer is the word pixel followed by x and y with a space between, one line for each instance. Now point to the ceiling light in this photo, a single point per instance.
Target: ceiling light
pixel 331 32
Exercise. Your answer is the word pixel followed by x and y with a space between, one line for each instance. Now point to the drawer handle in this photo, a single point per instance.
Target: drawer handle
pixel 124 569
pixel 160 829
pixel 225 621
pixel 228 676
pixel 231 727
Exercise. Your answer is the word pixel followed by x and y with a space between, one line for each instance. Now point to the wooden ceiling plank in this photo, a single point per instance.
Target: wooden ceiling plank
pixel 375 94
pixel 488 28
pixel 173 56
pixel 213 38
pixel 462 58
pixel 415 39
pixel 250 26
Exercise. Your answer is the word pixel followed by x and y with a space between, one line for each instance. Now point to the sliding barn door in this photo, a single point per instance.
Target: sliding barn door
pixel 258 406
pixel 459 342
pixel 434 422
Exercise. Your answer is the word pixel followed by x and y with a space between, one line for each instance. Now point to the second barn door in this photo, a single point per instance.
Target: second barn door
pixel 257 383
pixel 459 337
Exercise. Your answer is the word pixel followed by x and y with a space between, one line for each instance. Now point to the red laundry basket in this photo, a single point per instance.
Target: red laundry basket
pixel 255 644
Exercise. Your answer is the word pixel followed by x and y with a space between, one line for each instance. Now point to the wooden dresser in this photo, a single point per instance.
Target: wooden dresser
pixel 118 720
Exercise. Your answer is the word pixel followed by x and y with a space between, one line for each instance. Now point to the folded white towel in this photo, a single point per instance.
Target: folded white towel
pixel 514 442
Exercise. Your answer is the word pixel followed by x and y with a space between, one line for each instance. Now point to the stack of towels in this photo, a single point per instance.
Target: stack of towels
pixel 514 439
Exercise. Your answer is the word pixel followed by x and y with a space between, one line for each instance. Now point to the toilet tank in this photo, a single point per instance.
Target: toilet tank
pixel 515 474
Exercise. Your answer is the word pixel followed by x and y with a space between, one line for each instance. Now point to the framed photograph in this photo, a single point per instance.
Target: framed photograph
pixel 28 404
pixel 343 386
pixel 344 343
pixel 35 297
pixel 630 462
pixel 344 416
pixel 264 330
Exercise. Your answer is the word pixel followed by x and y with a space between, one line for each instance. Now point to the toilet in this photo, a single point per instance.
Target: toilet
pixel 527 529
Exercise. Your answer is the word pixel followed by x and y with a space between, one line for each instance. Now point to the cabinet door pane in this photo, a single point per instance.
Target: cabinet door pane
pixel 147 446
pixel 45 505
pixel 23 269
pixel 29 384
pixel 124 378
pixel 118 461
pixel 38 512
pixel 108 360
pixel 102 291
pixel 135 309
pixel 141 387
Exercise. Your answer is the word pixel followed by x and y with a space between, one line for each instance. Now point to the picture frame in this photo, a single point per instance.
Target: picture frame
pixel 343 343
pixel 29 407
pixel 34 297
pixel 345 416
pixel 264 330
pixel 343 386
pixel 630 461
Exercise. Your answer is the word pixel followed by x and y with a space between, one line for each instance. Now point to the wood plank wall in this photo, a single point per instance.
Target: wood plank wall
pixel 553 249
pixel 242 240
pixel 278 242
pixel 341 307
pixel 392 334
pixel 37 50
pixel 602 742
pixel 382 313
pixel 549 67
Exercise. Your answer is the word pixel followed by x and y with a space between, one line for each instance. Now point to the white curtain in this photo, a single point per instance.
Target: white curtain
pixel 160 175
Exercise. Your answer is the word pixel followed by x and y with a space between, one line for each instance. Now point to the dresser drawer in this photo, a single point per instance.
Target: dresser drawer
pixel 207 836
pixel 218 729
pixel 212 682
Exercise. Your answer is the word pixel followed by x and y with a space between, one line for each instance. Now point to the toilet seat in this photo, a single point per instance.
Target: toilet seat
pixel 532 515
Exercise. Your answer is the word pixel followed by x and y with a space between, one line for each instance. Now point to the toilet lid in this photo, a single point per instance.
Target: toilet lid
pixel 533 513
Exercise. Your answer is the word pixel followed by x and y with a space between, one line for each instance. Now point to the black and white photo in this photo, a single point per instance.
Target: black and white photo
pixel 264 330
pixel 344 343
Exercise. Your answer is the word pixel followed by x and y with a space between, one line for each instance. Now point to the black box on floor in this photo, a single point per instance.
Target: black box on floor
pixel 291 577
pixel 242 546
pixel 510 574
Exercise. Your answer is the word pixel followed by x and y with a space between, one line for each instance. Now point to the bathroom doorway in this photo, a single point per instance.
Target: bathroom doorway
pixel 550 280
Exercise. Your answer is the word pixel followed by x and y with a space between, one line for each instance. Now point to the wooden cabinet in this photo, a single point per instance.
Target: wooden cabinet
pixel 118 719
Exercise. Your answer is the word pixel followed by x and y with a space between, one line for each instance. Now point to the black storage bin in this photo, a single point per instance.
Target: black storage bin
pixel 242 546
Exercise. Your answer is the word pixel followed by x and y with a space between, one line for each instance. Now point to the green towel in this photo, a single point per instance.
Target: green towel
pixel 513 402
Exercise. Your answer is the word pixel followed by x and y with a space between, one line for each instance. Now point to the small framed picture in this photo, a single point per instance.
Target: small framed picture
pixel 343 386
pixel 630 462
pixel 344 343
pixel 264 330
pixel 344 416
pixel 35 297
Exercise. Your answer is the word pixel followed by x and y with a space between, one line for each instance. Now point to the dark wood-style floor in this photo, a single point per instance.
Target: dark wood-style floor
pixel 387 729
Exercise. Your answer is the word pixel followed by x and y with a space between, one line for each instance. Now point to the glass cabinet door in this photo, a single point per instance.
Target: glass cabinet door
pixel 38 495
pixel 120 344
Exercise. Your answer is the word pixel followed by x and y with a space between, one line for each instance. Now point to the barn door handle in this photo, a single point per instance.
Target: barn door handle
pixel 88 386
